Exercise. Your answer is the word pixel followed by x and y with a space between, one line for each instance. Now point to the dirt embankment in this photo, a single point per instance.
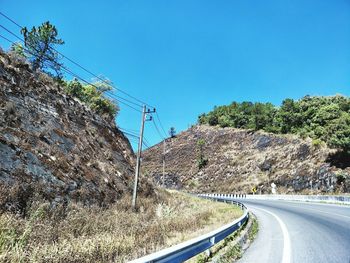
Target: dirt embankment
pixel 238 160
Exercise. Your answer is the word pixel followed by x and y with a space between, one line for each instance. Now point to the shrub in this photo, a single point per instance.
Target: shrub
pixel 93 96
pixel 201 160
pixel 317 143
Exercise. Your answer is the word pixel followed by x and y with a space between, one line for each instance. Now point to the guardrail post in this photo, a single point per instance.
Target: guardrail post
pixel 212 242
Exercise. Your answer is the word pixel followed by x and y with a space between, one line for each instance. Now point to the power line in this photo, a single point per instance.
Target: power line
pixel 159 133
pixel 136 137
pixel 10 20
pixel 107 93
pixel 10 32
pixel 124 130
pixel 68 71
pixel 96 76
pixel 77 76
pixel 110 93
pixel 129 130
pixel 77 64
pixel 132 133
pixel 129 101
pixel 6 38
pixel 135 140
pixel 65 69
pixel 89 83
pixel 161 125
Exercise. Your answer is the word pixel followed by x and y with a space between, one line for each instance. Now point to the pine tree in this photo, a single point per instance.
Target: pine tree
pixel 40 43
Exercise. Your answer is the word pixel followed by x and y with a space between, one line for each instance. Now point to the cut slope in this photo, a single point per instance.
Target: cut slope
pixel 239 160
pixel 52 143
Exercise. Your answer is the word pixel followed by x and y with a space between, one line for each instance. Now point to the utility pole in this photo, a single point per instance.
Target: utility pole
pixel 139 151
pixel 163 162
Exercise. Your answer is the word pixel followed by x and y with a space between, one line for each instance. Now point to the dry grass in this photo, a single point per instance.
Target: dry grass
pixel 76 233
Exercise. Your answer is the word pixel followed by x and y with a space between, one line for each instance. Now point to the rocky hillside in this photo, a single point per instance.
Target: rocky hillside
pixel 52 144
pixel 236 160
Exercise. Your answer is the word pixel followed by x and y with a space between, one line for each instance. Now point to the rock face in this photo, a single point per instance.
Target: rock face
pixel 238 160
pixel 54 141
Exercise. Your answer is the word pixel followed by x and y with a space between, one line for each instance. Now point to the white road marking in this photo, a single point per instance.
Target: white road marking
pixel 320 211
pixel 286 258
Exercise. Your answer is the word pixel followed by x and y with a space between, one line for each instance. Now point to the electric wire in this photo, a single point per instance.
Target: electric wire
pixel 135 140
pixel 77 64
pixel 65 69
pixel 88 71
pixel 107 93
pixel 146 143
pixel 6 38
pixel 8 18
pixel 89 83
pixel 133 134
pixel 161 125
pixel 10 32
pixel 158 131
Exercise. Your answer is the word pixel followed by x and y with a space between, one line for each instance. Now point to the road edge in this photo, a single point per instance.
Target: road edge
pixel 233 247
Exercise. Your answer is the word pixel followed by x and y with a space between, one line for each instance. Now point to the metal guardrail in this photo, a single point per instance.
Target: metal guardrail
pixel 336 199
pixel 193 247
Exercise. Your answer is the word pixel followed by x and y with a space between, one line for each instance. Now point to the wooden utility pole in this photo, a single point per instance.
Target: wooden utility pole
pixel 139 151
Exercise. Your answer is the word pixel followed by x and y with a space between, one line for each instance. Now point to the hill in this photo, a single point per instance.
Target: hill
pixel 66 175
pixel 236 160
pixel 322 118
pixel 55 146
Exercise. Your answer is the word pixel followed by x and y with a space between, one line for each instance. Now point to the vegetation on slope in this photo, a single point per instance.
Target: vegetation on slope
pixel 47 212
pixel 75 233
pixel 93 96
pixel 324 119
pixel 238 160
pixel 39 50
pixel 48 137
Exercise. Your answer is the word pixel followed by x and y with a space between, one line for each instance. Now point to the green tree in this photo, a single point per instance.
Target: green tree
pixel 93 96
pixel 40 43
pixel 201 160
pixel 202 119
pixel 18 49
pixel 172 132
pixel 338 132
pixel 289 116
pixel 263 115
pixel 75 88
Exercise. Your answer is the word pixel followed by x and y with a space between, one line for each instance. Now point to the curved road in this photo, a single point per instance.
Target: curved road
pixel 299 232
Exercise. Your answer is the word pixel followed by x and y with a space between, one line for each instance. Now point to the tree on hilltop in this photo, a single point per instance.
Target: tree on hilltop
pixel 39 44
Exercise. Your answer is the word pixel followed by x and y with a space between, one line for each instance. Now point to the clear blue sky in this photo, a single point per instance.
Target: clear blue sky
pixel 186 56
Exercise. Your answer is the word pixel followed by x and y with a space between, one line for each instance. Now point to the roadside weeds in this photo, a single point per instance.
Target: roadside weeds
pixel 77 233
pixel 231 248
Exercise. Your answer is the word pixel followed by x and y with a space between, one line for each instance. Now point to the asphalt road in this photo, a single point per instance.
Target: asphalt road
pixel 299 232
